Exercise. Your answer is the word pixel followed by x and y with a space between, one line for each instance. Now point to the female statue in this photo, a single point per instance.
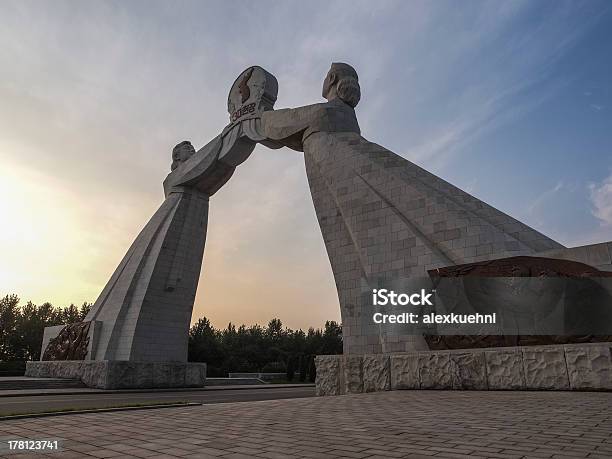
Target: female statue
pixel 146 306
pixel 383 217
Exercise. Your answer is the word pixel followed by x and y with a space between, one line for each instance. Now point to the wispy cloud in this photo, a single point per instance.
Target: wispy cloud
pixel 601 200
pixel 544 197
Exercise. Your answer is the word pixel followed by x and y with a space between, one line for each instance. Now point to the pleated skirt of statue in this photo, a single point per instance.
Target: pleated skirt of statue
pixel 152 291
pixel 383 216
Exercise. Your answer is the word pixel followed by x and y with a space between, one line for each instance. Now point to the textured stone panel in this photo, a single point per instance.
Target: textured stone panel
pixel 126 374
pixel 404 369
pixel 163 375
pixel 569 367
pixel 327 381
pixel 376 373
pixel 95 374
pixel 436 371
pixel 589 366
pixel 36 370
pixel 71 371
pixel 195 375
pixel 105 374
pixel 67 369
pixel 545 367
pixel 505 369
pixel 352 374
pixel 469 370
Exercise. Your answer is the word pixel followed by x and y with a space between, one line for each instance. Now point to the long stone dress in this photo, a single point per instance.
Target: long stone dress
pixel 145 308
pixel 382 216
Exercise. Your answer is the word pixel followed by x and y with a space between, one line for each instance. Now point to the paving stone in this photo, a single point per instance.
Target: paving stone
pixel 501 424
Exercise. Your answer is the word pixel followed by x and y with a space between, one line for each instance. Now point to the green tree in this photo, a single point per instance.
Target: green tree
pixel 9 317
pixel 205 346
pixel 84 310
pixel 290 368
pixel 31 327
pixel 331 339
pixel 312 369
pixel 303 367
pixel 248 349
pixel 22 328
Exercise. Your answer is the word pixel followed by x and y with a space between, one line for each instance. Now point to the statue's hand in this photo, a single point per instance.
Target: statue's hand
pixel 254 128
pixel 238 143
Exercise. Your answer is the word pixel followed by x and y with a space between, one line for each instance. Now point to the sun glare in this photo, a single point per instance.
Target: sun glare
pixel 40 238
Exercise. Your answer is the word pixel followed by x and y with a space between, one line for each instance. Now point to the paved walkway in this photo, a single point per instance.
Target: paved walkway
pixel 385 424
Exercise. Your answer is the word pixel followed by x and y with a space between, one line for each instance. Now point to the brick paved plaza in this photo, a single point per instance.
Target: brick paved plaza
pixel 384 424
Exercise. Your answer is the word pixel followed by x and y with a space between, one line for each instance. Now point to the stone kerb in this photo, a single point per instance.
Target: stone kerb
pixel 555 367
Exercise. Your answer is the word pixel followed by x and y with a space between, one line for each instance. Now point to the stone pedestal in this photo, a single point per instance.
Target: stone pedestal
pixel 122 374
pixel 555 367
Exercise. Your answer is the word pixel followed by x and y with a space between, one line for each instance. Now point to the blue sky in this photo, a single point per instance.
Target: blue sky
pixel 510 100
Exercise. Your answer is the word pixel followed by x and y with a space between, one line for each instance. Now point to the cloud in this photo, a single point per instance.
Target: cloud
pixel 544 197
pixel 601 201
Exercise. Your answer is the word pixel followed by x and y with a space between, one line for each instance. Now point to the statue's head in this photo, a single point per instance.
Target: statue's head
pixel 342 82
pixel 182 152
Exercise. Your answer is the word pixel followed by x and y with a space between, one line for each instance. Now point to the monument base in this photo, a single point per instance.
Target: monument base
pixel 554 367
pixel 121 374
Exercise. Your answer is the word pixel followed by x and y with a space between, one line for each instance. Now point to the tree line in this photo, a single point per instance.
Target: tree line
pixel 255 348
pixel 270 348
pixel 22 327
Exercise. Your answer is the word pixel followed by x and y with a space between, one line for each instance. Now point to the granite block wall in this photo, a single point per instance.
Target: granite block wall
pixel 557 367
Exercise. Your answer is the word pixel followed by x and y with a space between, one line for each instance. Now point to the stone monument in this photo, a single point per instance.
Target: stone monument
pixel 382 218
pixel 136 333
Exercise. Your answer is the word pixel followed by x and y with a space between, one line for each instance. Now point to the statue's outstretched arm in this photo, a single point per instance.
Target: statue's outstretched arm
pixel 212 166
pixel 286 126
pixel 252 94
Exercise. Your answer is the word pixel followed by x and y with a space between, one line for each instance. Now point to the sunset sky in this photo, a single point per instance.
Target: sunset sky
pixel 511 101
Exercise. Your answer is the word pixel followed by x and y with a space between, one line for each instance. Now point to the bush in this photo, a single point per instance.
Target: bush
pixel 274 367
pixel 12 368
